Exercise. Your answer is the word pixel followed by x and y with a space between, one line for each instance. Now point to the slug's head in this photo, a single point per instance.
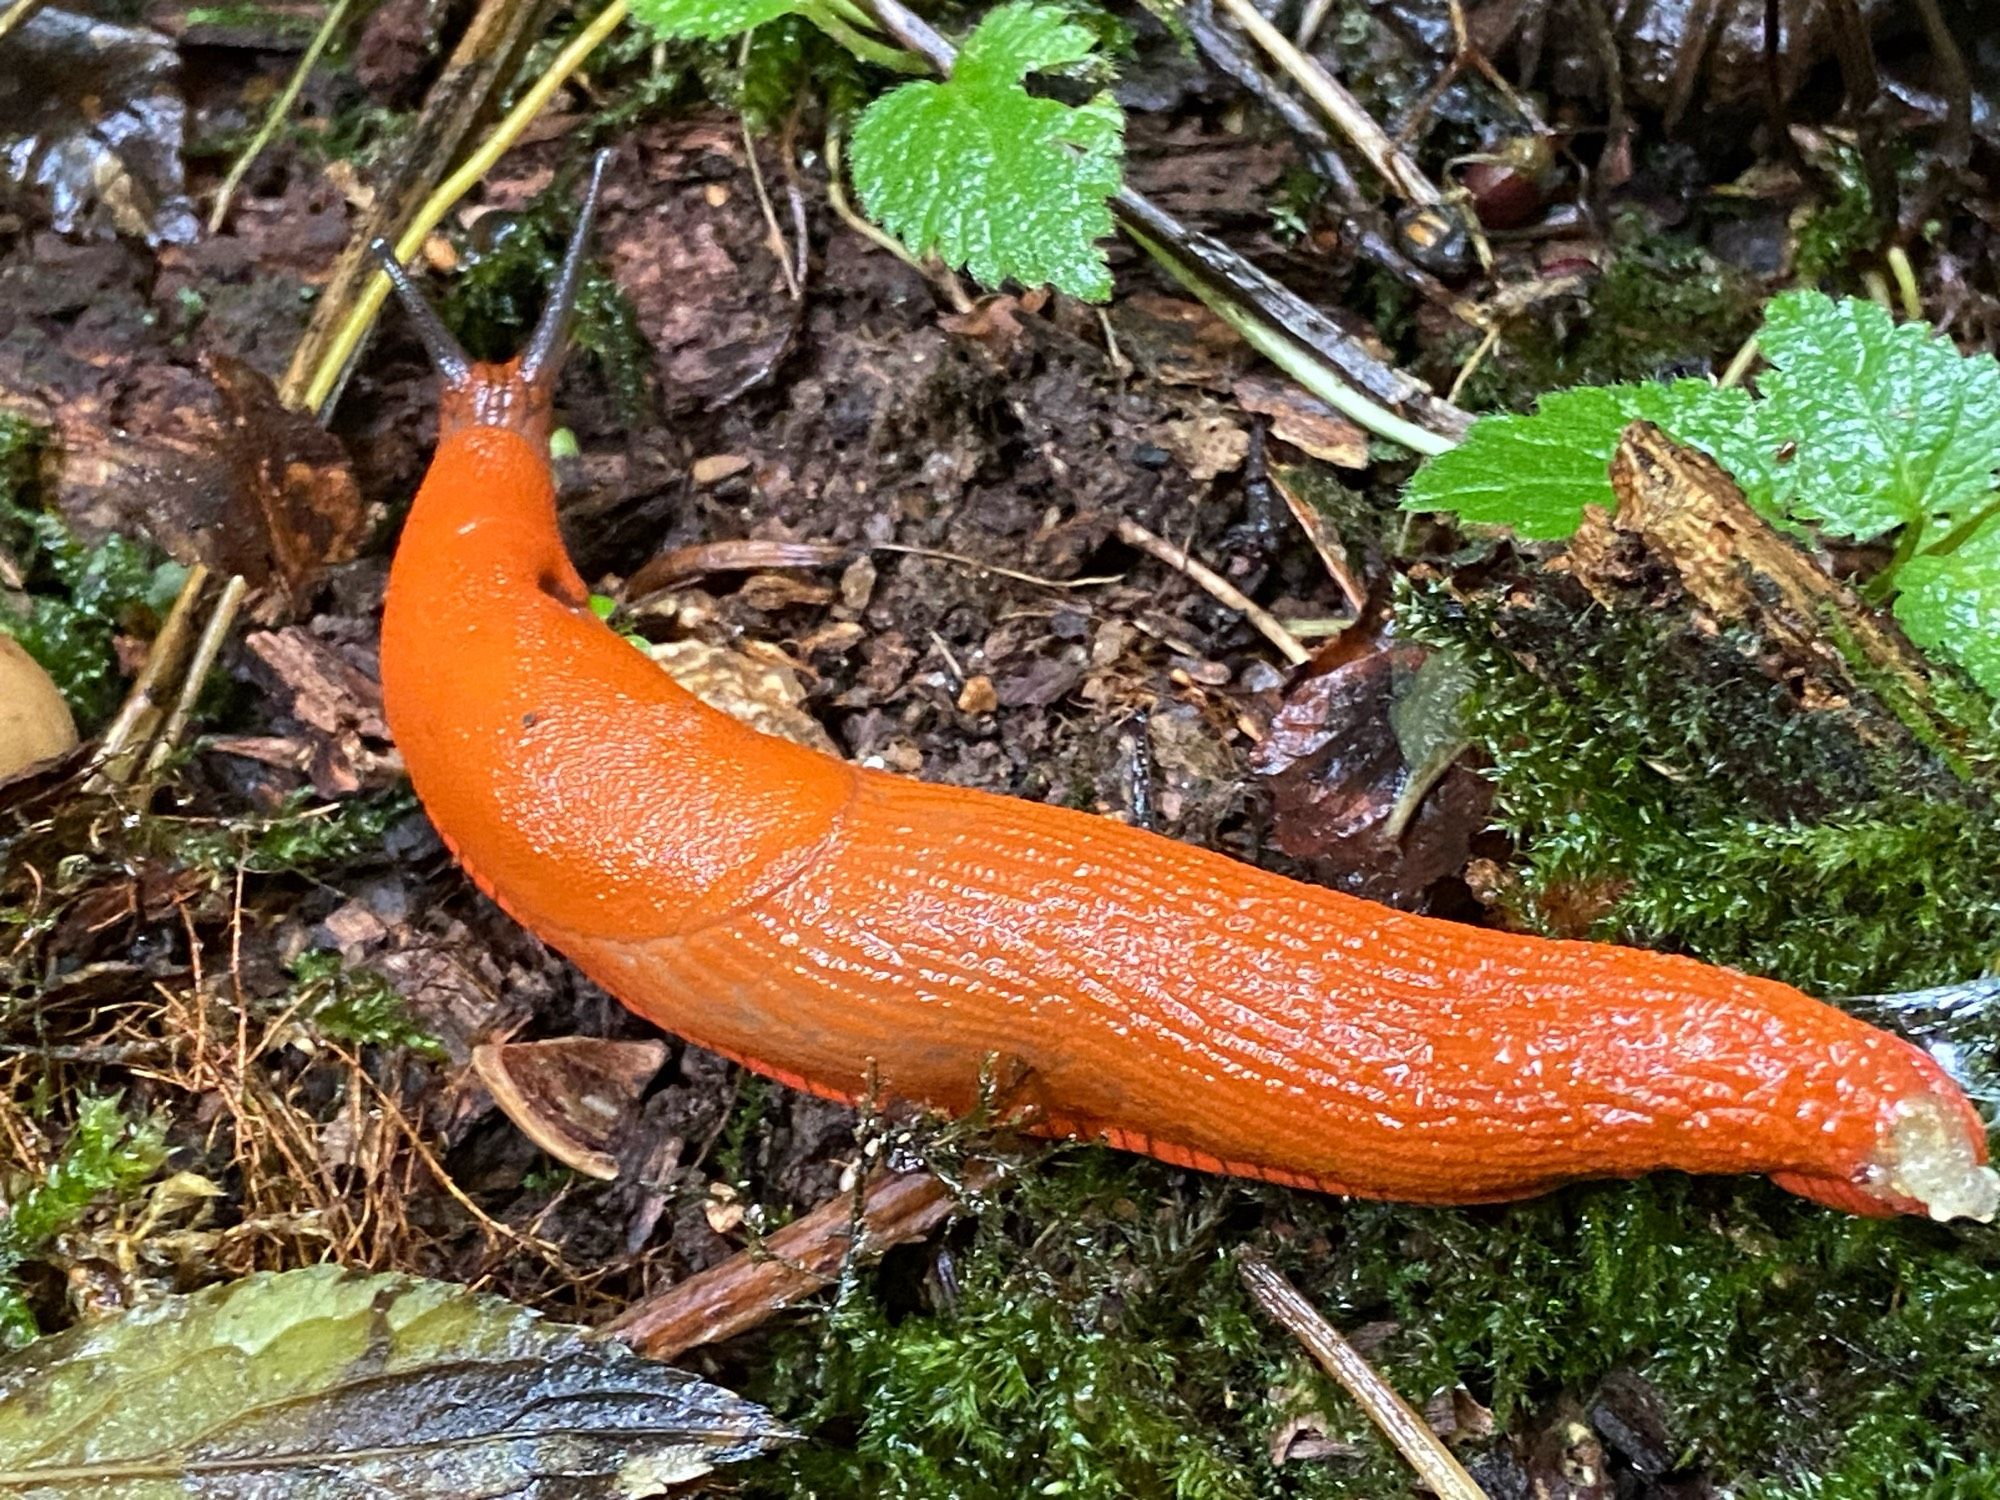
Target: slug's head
pixel 520 394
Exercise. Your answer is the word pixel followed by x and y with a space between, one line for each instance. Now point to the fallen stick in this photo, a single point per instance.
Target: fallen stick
pixel 799 1260
pixel 1217 587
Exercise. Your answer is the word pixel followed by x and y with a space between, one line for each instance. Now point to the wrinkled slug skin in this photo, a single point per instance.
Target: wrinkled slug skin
pixel 826 925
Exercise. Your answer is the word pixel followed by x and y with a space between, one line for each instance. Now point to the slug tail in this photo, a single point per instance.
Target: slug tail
pixel 1930 1156
pixel 520 394
pixel 1931 1160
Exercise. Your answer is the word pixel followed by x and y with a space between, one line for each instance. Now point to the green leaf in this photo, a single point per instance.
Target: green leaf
pixel 986 175
pixel 1893 425
pixel 1536 473
pixel 710 20
pixel 1951 605
pixel 324 1383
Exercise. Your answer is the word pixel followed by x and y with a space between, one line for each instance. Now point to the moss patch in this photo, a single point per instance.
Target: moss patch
pixel 78 594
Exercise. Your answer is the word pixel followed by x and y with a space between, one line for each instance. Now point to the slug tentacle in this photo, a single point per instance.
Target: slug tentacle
pixel 448 357
pixel 518 395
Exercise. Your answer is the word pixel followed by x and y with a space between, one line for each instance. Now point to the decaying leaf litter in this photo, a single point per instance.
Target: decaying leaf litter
pixel 903 515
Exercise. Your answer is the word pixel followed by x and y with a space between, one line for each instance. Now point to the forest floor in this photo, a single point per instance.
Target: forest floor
pixel 909 520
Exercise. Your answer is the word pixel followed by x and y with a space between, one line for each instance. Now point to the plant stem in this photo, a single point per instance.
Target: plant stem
pixel 433 209
pixel 1906 281
pixel 853 14
pixel 1883 584
pixel 1962 533
pixel 1740 365
pixel 275 116
pixel 830 16
pixel 18 16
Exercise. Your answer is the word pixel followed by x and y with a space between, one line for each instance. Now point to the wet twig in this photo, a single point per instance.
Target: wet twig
pixel 800 1260
pixel 1216 586
pixel 1430 426
pixel 1341 108
pixel 1222 48
pixel 1361 222
pixel 206 650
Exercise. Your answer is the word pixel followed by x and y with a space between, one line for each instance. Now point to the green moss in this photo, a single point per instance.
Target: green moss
pixel 1662 305
pixel 1788 1341
pixel 1842 227
pixel 108 1155
pixel 753 1098
pixel 79 595
pixel 352 1005
pixel 307 836
pixel 1084 1351
pixel 1665 772
pixel 1094 1339
pixel 265 20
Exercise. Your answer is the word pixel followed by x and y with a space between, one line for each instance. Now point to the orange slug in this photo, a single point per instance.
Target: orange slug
pixel 855 933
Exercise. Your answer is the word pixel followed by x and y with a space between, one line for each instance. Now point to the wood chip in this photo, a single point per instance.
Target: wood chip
pixel 978 696
pixel 717 467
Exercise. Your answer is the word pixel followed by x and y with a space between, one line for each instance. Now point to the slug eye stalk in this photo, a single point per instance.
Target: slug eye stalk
pixel 516 395
pixel 542 359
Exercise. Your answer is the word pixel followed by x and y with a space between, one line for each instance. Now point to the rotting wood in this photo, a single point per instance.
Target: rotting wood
pixel 1737 568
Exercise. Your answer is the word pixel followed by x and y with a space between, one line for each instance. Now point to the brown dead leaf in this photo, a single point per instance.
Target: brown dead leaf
pixel 204 462
pixel 1192 169
pixel 1338 778
pixel 996 321
pixel 1457 1416
pixel 91 123
pixel 294 508
pixel 570 1095
pixel 1207 445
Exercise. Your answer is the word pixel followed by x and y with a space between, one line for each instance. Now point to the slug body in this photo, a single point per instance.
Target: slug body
pixel 859 934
